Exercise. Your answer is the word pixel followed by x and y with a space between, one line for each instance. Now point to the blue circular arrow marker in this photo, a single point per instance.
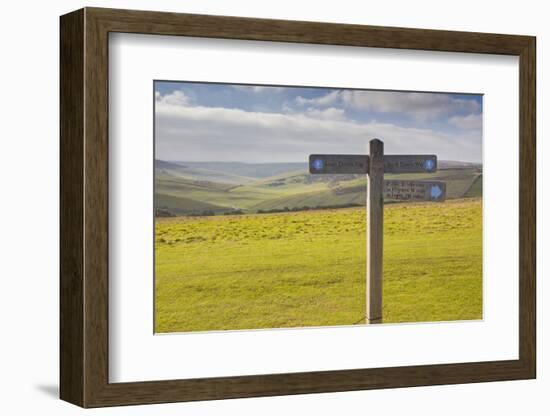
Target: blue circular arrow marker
pixel 318 164
pixel 429 165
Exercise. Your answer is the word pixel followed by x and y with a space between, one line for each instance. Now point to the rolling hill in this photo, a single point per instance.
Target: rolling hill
pixel 230 172
pixel 195 188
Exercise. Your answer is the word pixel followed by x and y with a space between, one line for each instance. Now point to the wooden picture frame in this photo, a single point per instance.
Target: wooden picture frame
pixel 84 207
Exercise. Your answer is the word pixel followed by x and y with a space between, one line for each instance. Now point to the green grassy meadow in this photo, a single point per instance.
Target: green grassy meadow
pixel 307 268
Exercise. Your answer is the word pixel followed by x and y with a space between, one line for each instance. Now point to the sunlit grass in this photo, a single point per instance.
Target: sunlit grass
pixel 308 268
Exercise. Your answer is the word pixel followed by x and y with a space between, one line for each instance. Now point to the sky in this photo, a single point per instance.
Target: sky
pixel 269 124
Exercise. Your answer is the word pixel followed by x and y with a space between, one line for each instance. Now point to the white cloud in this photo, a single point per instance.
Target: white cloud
pixel 418 105
pixel 205 133
pixel 469 122
pixel 421 105
pixel 330 113
pixel 327 99
pixel 257 88
pixel 176 97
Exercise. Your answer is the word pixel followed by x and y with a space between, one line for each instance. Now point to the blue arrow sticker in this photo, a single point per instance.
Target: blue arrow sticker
pixel 435 192
pixel 318 164
pixel 429 165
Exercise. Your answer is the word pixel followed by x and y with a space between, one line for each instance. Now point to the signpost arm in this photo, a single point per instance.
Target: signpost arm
pixel 375 231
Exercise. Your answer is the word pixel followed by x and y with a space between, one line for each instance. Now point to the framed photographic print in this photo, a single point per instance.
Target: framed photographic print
pixel 255 207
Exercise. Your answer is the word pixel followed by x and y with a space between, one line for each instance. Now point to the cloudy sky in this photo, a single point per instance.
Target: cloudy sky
pixel 226 122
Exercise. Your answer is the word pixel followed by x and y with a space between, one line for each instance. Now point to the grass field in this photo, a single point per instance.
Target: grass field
pixel 308 268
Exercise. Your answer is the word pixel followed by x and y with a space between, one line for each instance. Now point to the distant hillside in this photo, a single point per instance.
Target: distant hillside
pixel 476 189
pixel 452 164
pixel 185 188
pixel 178 205
pixel 252 170
pixel 198 173
pixel 162 164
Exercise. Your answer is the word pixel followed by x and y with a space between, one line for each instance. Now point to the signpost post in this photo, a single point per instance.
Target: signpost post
pixel 374 166
pixel 375 231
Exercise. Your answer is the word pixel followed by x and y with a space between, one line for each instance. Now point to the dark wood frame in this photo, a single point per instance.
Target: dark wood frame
pixel 84 207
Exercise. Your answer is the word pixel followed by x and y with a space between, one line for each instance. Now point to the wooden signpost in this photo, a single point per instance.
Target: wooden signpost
pixel 374 166
pixel 375 231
